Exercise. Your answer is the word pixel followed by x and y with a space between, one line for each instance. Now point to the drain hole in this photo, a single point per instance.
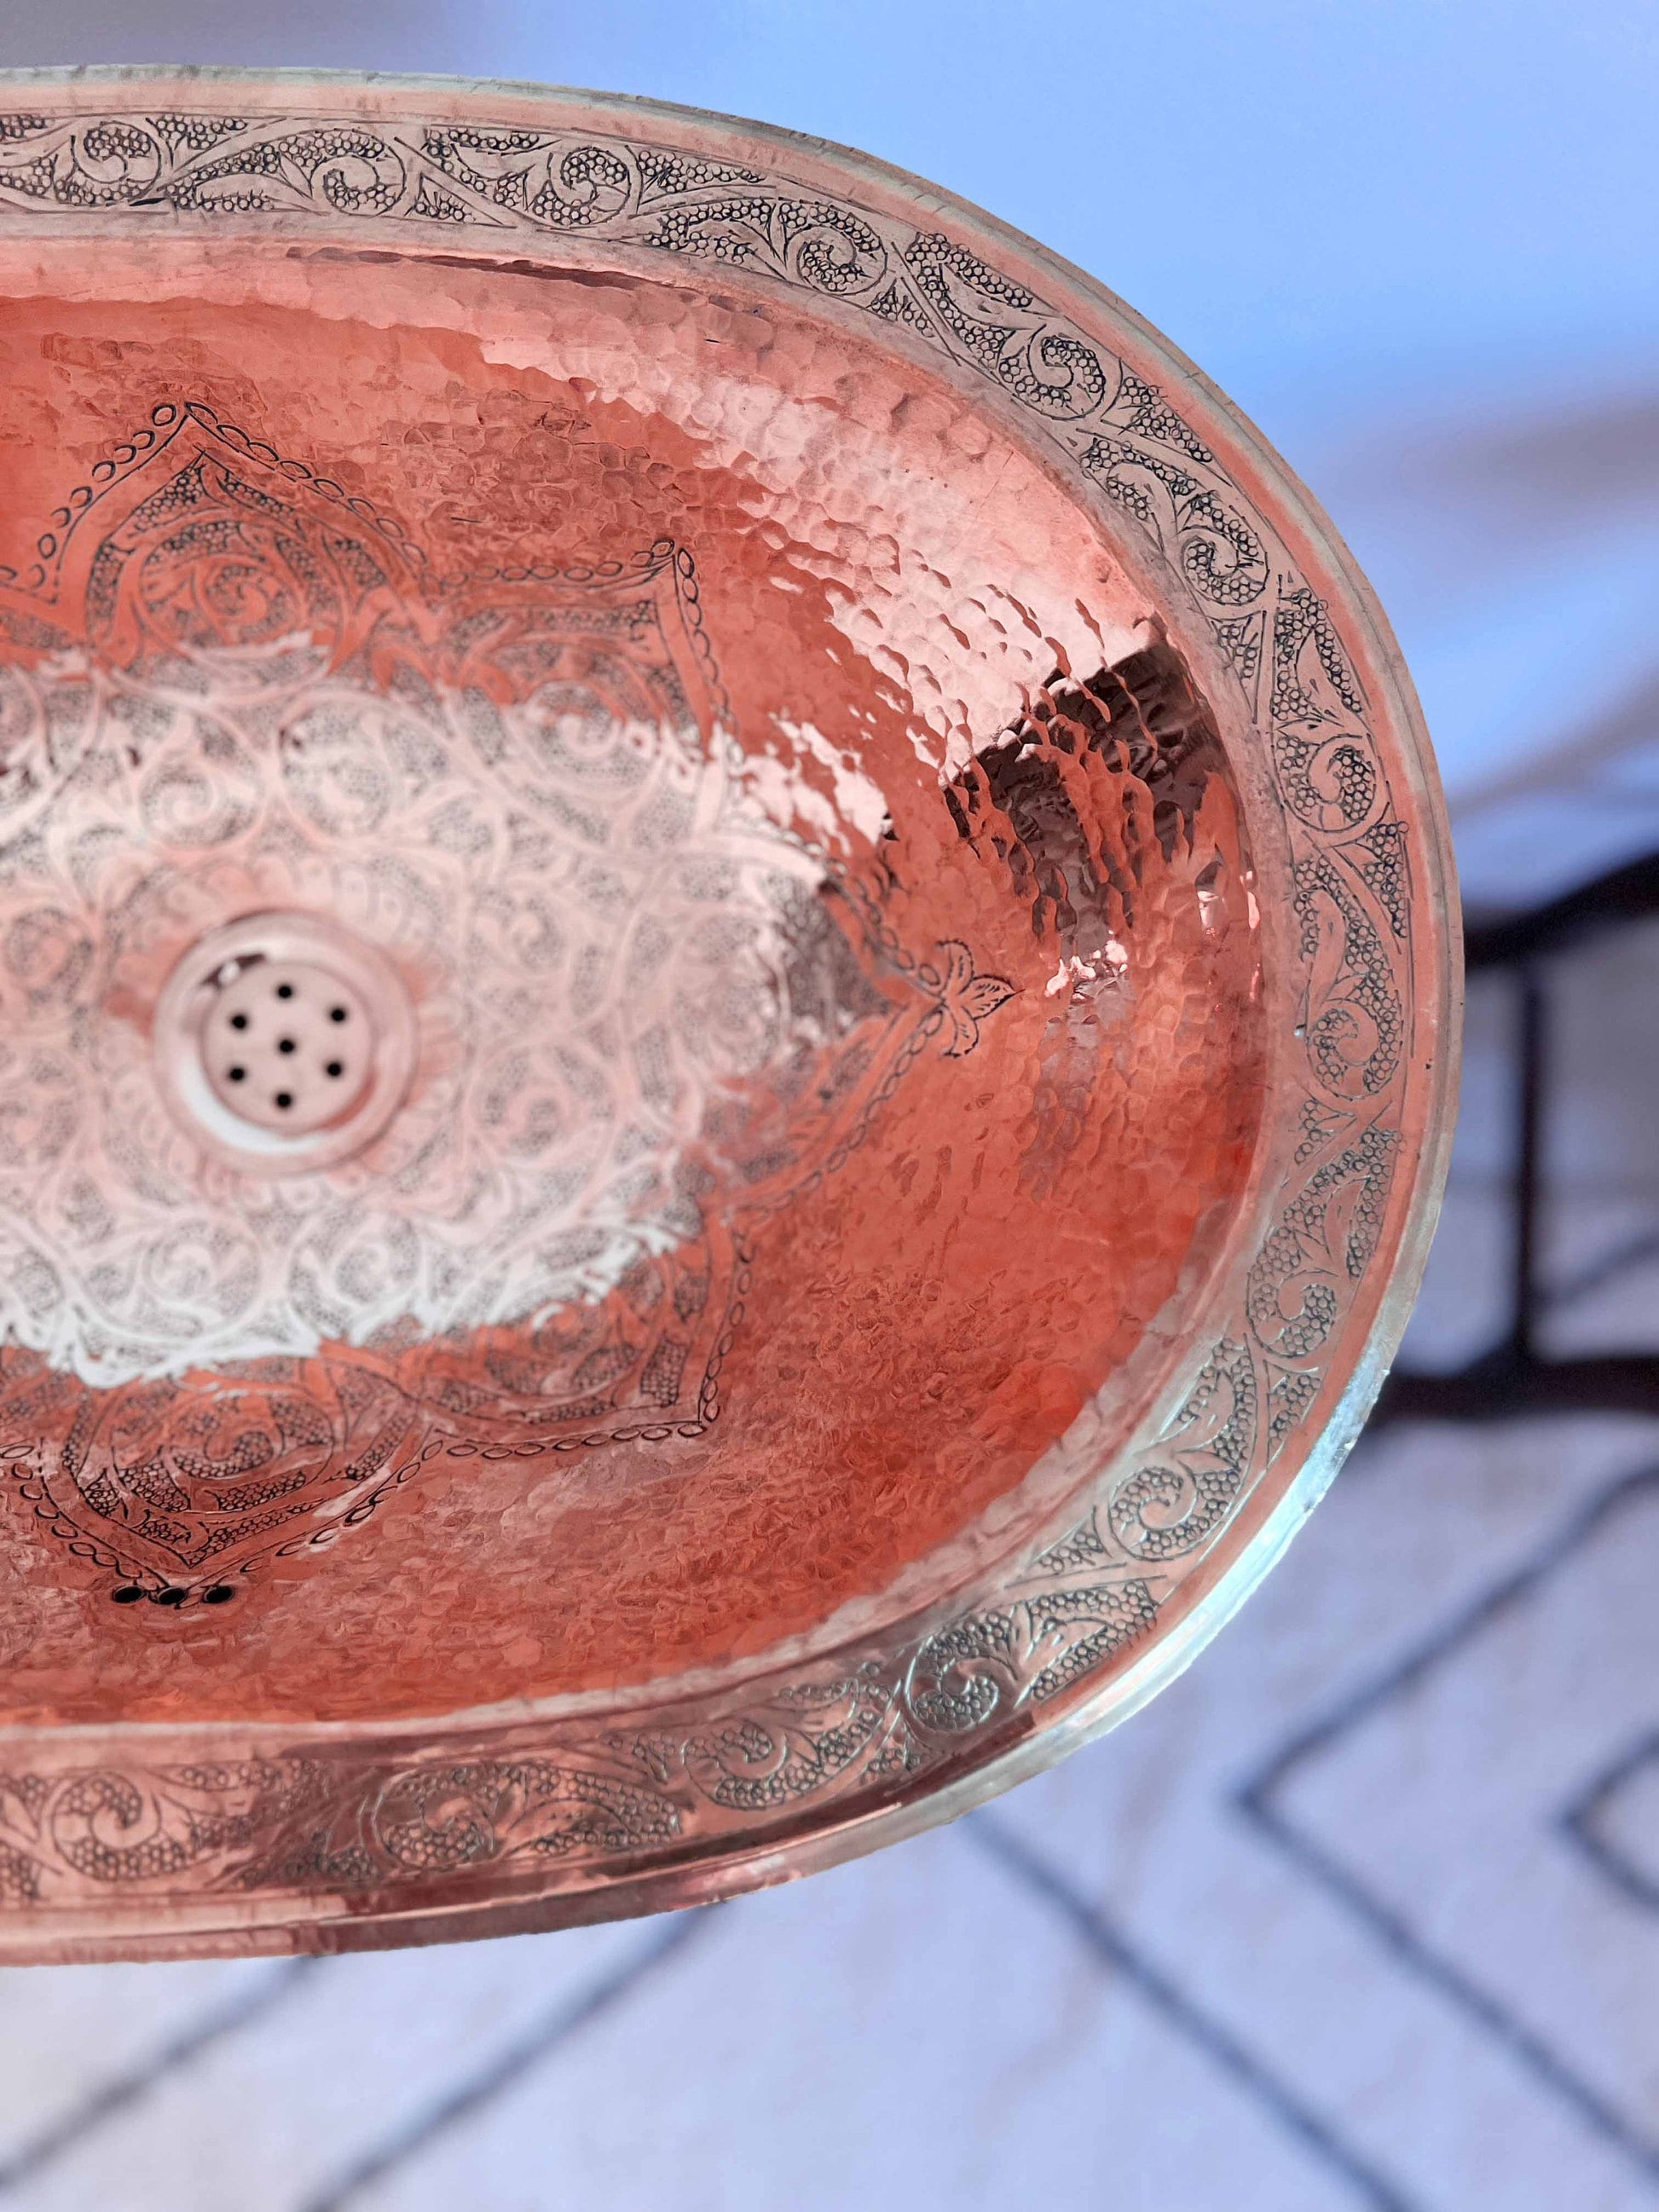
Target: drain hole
pixel 252 1041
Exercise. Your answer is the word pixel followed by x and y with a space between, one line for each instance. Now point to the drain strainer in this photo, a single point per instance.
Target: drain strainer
pixel 285 1042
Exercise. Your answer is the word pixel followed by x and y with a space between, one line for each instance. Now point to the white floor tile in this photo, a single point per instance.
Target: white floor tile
pixel 915 2032
pixel 265 2120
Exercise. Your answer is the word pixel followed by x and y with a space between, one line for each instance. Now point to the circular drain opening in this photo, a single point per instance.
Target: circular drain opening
pixel 285 1043
pixel 289 1046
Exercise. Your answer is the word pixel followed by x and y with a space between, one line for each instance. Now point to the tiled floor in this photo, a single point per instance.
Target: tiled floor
pixel 1364 1912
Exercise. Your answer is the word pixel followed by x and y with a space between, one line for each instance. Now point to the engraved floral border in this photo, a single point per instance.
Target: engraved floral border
pixel 605 1800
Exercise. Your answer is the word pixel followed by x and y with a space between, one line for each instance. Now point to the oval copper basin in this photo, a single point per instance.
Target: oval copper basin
pixel 727 1009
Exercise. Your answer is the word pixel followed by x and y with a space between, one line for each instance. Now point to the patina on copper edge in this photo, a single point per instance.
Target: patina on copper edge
pixel 150 1841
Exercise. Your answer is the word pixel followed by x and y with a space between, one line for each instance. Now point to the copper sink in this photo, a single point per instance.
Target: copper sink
pixel 727 1009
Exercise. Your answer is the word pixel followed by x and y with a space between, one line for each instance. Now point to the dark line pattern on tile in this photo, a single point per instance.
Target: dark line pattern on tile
pixel 1210 2035
pixel 121 2091
pixel 1582 1824
pixel 539 2041
pixel 1256 1800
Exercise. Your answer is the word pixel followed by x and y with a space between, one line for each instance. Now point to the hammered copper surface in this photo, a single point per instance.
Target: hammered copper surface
pixel 660 989
pixel 909 946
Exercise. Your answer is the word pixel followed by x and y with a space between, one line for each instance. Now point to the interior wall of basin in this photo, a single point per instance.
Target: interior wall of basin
pixel 886 584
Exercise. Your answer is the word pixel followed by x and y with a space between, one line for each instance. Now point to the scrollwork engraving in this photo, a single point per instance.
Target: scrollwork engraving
pixel 351 1823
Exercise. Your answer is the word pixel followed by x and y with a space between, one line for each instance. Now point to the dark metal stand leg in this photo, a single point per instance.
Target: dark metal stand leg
pixel 1515 1378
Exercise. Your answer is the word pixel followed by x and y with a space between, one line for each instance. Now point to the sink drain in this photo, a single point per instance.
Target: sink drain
pixel 285 1042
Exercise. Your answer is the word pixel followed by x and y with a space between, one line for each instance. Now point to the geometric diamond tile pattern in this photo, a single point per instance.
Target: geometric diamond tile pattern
pixel 1616 1823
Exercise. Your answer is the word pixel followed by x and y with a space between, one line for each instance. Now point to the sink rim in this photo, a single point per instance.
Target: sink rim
pixel 856 1805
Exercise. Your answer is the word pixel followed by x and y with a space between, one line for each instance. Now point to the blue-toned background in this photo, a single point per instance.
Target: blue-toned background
pixel 1365 1912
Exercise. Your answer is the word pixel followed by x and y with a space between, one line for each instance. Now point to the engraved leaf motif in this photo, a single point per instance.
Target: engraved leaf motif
pixel 967 998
